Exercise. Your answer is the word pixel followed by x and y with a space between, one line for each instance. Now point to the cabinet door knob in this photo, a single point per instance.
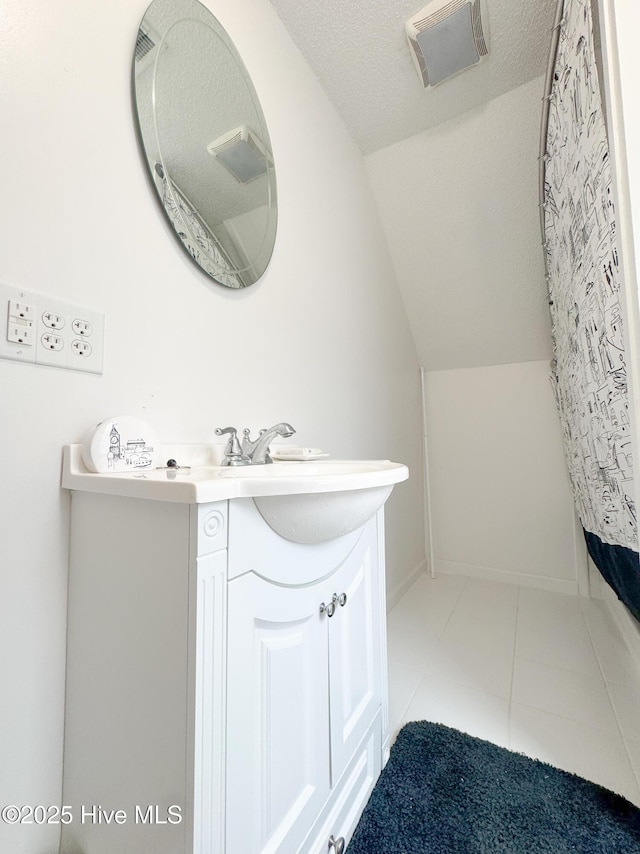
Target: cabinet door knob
pixel 336 846
pixel 342 600
pixel 329 609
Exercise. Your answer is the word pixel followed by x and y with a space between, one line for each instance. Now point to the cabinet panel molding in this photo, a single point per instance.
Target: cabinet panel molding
pixel 353 652
pixel 209 707
pixel 278 716
pixel 211 527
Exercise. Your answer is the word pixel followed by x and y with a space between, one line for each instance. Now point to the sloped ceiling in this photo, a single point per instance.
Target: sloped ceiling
pixel 358 50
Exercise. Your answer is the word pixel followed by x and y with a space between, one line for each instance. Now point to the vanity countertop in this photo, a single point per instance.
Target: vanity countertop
pixel 202 479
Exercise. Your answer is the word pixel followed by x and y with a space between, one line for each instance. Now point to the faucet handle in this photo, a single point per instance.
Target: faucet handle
pixel 222 431
pixel 233 454
pixel 247 434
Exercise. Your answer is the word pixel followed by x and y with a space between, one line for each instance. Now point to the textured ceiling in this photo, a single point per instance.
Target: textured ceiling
pixel 359 52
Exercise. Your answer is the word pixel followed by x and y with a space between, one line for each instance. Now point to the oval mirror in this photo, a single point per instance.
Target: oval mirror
pixel 206 141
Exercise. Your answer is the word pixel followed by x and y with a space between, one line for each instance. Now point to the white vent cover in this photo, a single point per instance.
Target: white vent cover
pixel 146 43
pixel 446 37
pixel 242 153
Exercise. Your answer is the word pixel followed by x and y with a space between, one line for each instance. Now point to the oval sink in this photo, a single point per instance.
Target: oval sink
pixel 320 500
pixel 315 517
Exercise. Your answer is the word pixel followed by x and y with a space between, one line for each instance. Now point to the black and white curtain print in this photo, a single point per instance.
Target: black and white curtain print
pixel 590 364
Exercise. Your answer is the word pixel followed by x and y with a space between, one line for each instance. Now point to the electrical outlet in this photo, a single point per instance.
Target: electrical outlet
pixel 51 350
pixel 20 332
pixel 82 327
pixel 52 320
pixel 81 349
pixel 17 332
pixel 52 342
pixel 50 332
pixel 21 310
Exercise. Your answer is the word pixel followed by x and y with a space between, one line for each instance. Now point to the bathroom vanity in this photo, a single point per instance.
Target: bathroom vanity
pixel 226 675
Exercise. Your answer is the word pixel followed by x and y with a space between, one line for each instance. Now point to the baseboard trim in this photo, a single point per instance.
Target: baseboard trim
pixel 395 595
pixel 540 582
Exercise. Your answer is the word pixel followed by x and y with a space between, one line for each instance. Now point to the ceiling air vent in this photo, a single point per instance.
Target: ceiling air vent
pixel 145 52
pixel 242 153
pixel 144 43
pixel 446 37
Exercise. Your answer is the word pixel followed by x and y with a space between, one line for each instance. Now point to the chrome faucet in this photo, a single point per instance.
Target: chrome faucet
pixel 258 451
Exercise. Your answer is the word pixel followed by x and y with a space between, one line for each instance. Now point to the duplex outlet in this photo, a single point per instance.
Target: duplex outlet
pixel 20 332
pixel 52 342
pixel 52 320
pixel 82 349
pixel 82 327
pixel 48 331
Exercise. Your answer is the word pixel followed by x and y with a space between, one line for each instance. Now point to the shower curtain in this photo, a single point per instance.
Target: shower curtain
pixel 589 371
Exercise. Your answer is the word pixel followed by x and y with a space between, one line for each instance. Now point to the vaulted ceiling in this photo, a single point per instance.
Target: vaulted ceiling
pixel 358 50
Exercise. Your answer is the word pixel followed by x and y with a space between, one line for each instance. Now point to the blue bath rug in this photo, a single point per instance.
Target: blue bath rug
pixel 444 792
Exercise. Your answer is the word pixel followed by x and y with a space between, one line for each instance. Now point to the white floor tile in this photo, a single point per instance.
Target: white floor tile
pixel 485 616
pixel 489 599
pixel 452 643
pixel 471 711
pixel 406 645
pixel 470 665
pixel 403 682
pixel 575 696
pixel 493 633
pixel 489 594
pixel 539 603
pixel 633 749
pixel 617 663
pixel 427 606
pixel 552 630
pixel 591 753
pixel 442 589
pixel 626 702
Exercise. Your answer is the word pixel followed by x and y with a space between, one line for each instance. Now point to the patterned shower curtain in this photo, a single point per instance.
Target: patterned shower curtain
pixel 590 367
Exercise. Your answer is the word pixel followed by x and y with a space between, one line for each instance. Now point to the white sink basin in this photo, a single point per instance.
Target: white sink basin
pixel 306 502
pixel 315 517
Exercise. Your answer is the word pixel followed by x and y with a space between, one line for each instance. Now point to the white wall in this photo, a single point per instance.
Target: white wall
pixel 619 21
pixel 322 341
pixel 501 501
pixel 459 205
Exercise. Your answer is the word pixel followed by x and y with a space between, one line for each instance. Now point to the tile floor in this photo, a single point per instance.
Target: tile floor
pixel 541 673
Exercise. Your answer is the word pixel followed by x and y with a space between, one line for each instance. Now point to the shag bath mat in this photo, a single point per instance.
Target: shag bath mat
pixel 444 792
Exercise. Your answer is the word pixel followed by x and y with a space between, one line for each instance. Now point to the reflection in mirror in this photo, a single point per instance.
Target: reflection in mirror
pixel 206 141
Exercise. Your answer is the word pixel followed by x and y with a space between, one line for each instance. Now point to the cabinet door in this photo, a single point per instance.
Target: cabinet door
pixel 277 715
pixel 354 660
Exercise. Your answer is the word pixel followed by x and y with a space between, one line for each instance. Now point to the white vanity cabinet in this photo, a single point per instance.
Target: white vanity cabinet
pixel 144 748
pixel 304 693
pixel 217 694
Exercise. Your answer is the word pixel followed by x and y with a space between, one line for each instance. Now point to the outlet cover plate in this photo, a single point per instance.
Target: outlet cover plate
pixel 62 334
